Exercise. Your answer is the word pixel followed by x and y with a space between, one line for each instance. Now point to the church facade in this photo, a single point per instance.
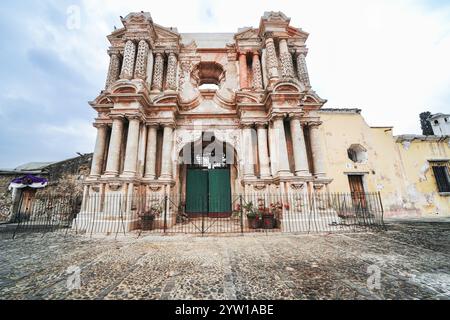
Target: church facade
pixel 214 115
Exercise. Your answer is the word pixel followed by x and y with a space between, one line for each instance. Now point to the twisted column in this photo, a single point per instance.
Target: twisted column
pixel 172 65
pixel 287 66
pixel 272 60
pixel 128 60
pixel 302 70
pixel 114 70
pixel 140 71
pixel 158 72
pixel 257 74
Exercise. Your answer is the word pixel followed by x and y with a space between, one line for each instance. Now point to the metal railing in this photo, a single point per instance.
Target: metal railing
pixel 164 214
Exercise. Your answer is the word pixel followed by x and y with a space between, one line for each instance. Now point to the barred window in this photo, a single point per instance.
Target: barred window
pixel 442 175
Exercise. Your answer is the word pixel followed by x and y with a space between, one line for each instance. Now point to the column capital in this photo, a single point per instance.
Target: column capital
pixel 134 116
pixel 261 125
pixel 296 116
pixel 314 124
pixel 278 116
pixel 247 125
pixel 100 125
pixel 117 116
pixel 152 125
pixel 171 125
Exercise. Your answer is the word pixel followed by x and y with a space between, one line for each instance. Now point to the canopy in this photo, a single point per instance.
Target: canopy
pixel 28 181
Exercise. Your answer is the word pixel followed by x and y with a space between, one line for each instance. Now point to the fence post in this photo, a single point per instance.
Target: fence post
pixel 241 214
pixel 382 211
pixel 166 198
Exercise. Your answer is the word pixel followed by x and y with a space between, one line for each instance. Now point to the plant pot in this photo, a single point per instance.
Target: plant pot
pixel 147 223
pixel 268 221
pixel 254 223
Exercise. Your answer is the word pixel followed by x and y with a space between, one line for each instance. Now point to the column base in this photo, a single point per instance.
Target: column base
pixel 303 174
pixel 110 175
pixel 128 175
pixel 285 174
pixel 150 178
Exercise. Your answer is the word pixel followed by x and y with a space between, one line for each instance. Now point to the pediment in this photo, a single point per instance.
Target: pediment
pixel 273 16
pixel 247 33
pixel 166 33
pixel 137 18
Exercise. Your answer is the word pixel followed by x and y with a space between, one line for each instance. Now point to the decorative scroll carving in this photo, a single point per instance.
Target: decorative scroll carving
pixel 128 60
pixel 257 74
pixel 303 75
pixel 114 70
pixel 172 72
pixel 140 71
pixel 158 73
pixel 115 186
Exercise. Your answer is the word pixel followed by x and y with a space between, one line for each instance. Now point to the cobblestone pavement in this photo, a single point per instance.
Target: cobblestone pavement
pixel 410 261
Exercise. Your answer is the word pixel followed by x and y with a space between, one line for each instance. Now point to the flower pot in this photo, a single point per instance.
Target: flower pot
pixel 253 223
pixel 147 223
pixel 268 221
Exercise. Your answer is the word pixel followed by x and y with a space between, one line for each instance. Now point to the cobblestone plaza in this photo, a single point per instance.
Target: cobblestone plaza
pixel 410 261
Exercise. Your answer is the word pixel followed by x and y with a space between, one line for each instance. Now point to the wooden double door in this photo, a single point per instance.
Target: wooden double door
pixel 208 191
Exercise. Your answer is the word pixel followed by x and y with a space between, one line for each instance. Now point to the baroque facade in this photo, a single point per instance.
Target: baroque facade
pixel 248 94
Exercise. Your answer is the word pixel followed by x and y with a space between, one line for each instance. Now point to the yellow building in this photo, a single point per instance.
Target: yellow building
pixel 411 172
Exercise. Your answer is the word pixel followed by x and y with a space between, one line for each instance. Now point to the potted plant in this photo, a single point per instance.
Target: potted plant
pixel 253 216
pixel 148 217
pixel 275 213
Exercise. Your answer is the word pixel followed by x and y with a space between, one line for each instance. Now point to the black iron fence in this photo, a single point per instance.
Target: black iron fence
pixel 163 214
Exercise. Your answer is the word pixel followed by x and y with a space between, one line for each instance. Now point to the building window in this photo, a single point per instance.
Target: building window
pixel 442 176
pixel 357 153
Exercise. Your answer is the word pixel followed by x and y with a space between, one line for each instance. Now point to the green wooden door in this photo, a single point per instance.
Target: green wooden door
pixel 219 191
pixel 197 191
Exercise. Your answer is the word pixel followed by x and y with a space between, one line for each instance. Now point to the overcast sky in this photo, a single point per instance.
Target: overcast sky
pixel 391 58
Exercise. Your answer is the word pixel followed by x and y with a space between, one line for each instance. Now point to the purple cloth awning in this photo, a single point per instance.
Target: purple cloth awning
pixel 28 181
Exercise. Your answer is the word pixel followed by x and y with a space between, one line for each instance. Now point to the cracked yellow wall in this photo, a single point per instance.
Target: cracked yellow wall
pixel 390 169
pixel 422 189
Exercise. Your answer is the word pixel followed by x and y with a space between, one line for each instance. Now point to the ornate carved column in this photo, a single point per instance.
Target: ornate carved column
pixel 172 65
pixel 302 69
pixel 249 161
pixel 280 140
pixel 99 153
pixel 243 70
pixel 114 69
pixel 299 147
pixel 158 72
pixel 166 157
pixel 287 66
pixel 128 60
pixel 112 164
pixel 272 60
pixel 317 149
pixel 150 164
pixel 140 71
pixel 257 75
pixel 263 152
pixel 131 152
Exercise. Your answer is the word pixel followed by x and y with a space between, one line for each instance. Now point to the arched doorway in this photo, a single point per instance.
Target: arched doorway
pixel 207 174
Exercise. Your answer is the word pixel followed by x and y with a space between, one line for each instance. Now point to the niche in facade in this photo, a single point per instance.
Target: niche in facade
pixel 208 75
pixel 357 153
